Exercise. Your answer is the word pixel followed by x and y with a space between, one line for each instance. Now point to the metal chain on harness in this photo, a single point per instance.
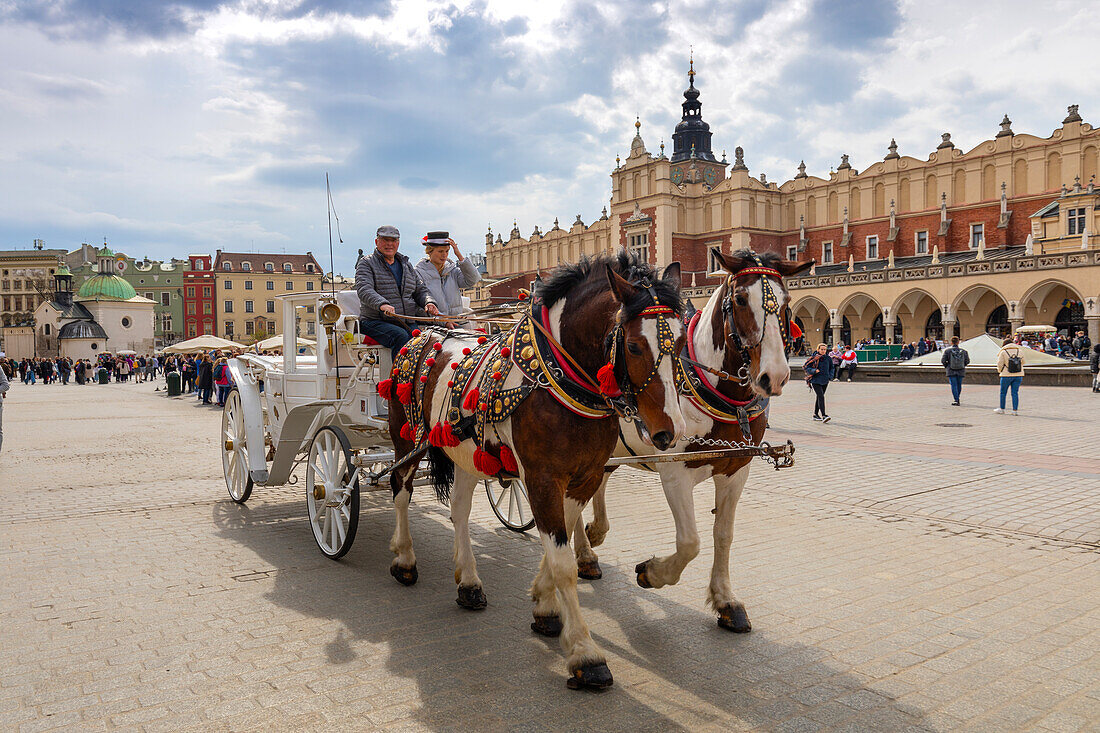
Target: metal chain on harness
pixel 780 457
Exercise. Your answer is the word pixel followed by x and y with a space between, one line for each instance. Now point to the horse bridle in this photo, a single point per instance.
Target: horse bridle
pixel 771 308
pixel 625 403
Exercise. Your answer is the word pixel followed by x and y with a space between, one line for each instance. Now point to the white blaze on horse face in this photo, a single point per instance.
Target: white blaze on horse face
pixel 773 361
pixel 665 371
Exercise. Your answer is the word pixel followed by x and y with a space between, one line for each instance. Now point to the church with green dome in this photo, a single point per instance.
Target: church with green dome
pixel 105 314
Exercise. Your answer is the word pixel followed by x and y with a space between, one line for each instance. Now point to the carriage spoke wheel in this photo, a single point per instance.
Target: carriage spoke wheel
pixel 332 492
pixel 510 504
pixel 235 450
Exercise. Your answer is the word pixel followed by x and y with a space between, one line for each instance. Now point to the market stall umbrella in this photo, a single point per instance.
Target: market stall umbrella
pixel 201 343
pixel 126 352
pixel 276 342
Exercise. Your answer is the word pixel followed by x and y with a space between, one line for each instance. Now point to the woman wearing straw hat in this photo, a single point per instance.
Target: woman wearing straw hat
pixel 445 279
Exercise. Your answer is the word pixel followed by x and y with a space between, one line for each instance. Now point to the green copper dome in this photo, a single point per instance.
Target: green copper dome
pixel 106 287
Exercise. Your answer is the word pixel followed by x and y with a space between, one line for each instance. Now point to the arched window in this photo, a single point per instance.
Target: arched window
pixel 227 266
pixel 989 183
pixel 1019 177
pixel 933 327
pixel 903 195
pixel 811 211
pixel 1089 164
pixel 246 266
pixel 846 332
pixel 269 266
pixel 997 324
pixel 833 212
pixel 1054 171
pixel 287 267
pixel 1071 319
pixel 46 329
pixel 878 329
pixel 959 189
pixel 880 200
pixel 931 196
pixel 855 206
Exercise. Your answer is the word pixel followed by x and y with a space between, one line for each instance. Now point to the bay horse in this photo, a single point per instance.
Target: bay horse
pixel 517 406
pixel 741 326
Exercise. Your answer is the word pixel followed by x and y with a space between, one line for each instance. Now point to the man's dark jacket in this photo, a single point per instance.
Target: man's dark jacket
pixel 377 287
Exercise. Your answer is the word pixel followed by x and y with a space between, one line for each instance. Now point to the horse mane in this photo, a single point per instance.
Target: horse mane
pixel 768 259
pixel 587 276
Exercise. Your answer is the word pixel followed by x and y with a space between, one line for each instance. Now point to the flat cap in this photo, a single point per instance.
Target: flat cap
pixel 388 231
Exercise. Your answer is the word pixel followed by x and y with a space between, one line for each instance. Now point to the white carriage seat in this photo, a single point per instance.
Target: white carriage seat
pixel 350 305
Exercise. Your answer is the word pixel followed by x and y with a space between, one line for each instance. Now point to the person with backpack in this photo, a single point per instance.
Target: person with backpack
pixel 1094 367
pixel 955 360
pixel 1010 368
pixel 819 372
pixel 1081 345
pixel 223 380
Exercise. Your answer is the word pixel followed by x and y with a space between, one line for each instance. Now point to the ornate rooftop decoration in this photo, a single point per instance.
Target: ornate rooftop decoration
pixel 844 164
pixel 801 170
pixel 945 141
pixel 893 148
pixel 1006 127
pixel 739 159
pixel 1072 115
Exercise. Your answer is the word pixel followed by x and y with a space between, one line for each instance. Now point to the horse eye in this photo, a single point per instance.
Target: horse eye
pixel 741 300
pixel 634 349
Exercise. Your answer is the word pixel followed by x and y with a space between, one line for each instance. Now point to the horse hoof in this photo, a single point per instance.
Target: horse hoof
pixel 589 570
pixel 733 617
pixel 595 538
pixel 547 625
pixel 404 576
pixel 591 677
pixel 471 598
pixel 643 581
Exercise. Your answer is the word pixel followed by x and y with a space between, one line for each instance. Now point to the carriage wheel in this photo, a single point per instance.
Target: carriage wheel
pixel 235 450
pixel 332 492
pixel 510 504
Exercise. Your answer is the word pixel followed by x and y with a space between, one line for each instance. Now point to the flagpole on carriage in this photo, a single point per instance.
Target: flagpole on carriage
pixel 332 277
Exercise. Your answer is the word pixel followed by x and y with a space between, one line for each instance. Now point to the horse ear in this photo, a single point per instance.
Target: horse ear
pixel 787 268
pixel 620 288
pixel 733 263
pixel 671 275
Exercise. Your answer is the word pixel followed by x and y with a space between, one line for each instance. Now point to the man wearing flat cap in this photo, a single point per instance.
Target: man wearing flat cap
pixel 389 288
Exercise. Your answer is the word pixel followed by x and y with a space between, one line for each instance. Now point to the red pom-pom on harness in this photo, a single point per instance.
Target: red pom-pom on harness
pixel 416 332
pixel 481 339
pixel 437 346
pixel 470 403
pixel 486 463
pixel 404 350
pixel 450 382
pixel 496 375
pixel 405 393
pixel 430 361
pixel 407 433
pixel 423 378
pixel 385 389
pixel 505 352
pixel 454 365
pixel 523 296
pixel 508 460
pixel 466 352
pixel 608 384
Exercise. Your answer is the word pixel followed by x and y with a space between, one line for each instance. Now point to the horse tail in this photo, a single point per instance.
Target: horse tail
pixel 442 470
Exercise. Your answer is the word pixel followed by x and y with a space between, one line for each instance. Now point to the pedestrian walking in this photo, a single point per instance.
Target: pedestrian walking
pixel 955 360
pixel 223 380
pixel 1010 368
pixel 206 379
pixel 819 372
pixel 4 384
pixel 1082 345
pixel 849 361
pixel 1094 367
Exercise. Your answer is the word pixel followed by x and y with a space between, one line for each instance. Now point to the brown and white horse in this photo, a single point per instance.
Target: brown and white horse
pixel 559 454
pixel 743 316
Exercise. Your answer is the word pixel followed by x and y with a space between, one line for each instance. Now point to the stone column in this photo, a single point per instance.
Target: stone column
pixel 948 329
pixel 889 320
pixel 1094 328
pixel 1015 323
pixel 837 323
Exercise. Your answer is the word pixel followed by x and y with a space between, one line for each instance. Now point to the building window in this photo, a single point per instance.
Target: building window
pixel 247 284
pixel 207 309
pixel 126 322
pixel 872 247
pixel 248 307
pixel 977 234
pixel 191 309
pixel 310 328
pixel 270 285
pixel 792 252
pixel 199 265
pixel 921 247
pixel 5 285
pixel 191 330
pixel 248 327
pixel 309 309
pixel 269 266
pixel 190 292
pixel 271 327
pixel 229 329
pixel 309 285
pixel 206 291
pixel 271 306
pixel 287 267
pixel 246 266
pixel 309 267
pixel 826 253
pixel 46 329
pixel 714 265
pixel 227 266
pixel 149 296
pixel 639 246
pixel 166 323
pixel 1075 221
pixel 228 307
pixel 289 285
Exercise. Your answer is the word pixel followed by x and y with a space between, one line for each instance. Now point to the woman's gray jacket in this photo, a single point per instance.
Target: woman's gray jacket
pixel 446 287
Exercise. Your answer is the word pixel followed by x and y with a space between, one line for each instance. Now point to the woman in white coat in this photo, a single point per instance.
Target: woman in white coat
pixel 445 279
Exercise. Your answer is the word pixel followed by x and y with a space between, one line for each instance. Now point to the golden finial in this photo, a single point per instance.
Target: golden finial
pixel 691 63
pixel 638 124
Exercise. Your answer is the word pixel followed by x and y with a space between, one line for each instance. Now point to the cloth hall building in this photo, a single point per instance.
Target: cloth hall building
pixel 964 242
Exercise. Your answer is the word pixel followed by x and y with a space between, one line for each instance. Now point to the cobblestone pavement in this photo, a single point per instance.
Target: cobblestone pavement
pixel 922 566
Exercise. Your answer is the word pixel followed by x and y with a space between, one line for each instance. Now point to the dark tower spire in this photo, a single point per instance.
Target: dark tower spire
pixel 692 132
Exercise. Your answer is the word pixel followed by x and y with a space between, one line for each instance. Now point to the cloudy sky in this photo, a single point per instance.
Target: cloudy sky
pixel 187 126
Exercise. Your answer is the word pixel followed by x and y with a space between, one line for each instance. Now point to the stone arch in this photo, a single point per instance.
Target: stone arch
pixel 1089 164
pixel 912 309
pixel 904 200
pixel 958 187
pixel 1019 177
pixel 727 213
pixel 752 211
pixel 879 203
pixel 790 225
pixel 811 211
pixel 989 182
pixel 860 309
pixel 972 308
pixel 1054 172
pixel 814 318
pixel 832 204
pixel 854 204
pixel 1042 302
pixel 930 191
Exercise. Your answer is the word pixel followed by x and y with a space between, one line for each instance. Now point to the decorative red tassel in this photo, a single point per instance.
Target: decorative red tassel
pixel 470 403
pixel 447 436
pixel 450 383
pixel 434 437
pixel 405 393
pixel 523 296
pixel 385 389
pixel 416 332
pixel 505 352
pixel 466 352
pixel 407 432
pixel 454 365
pixel 437 346
pixel 508 460
pixel 608 384
pixel 404 350
pixel 481 339
pixel 423 378
pixel 430 361
pixel 485 463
